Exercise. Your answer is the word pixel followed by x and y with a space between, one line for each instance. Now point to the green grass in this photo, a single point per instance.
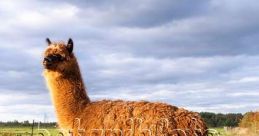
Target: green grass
pixel 13 131
pixel 218 131
pixel 234 132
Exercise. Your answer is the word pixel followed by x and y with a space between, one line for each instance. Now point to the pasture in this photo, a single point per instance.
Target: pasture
pixel 51 131
pixel 27 131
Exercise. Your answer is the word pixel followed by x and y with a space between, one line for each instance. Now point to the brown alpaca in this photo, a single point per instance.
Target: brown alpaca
pixel 106 117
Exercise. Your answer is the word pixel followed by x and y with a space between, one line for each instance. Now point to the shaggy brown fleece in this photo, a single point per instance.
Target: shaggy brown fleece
pixel 76 112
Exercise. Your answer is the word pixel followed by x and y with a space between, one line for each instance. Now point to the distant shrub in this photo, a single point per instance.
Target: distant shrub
pixel 220 120
pixel 26 123
pixel 250 120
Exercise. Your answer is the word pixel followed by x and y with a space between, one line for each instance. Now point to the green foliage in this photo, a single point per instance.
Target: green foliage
pixel 220 120
pixel 13 128
pixel 26 123
pixel 27 131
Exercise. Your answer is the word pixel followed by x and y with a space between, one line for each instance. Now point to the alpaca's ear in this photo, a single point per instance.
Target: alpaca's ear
pixel 48 41
pixel 70 45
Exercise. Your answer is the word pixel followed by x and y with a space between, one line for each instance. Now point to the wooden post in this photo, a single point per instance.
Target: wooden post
pixel 32 128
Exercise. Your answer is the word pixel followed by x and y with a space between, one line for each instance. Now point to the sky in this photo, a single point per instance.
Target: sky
pixel 201 55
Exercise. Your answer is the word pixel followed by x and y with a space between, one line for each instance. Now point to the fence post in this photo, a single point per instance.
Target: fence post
pixel 32 127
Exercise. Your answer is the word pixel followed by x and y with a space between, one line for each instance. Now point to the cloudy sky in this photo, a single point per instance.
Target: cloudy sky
pixel 202 55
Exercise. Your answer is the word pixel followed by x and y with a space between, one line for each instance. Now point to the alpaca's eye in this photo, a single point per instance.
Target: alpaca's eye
pixel 57 57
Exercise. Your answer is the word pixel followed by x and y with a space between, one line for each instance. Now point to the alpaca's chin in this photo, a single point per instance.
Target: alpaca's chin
pixel 46 67
pixel 49 67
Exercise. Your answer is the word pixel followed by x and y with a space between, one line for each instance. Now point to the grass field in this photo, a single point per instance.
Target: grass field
pixel 27 131
pixel 236 131
pixel 218 132
pixel 22 131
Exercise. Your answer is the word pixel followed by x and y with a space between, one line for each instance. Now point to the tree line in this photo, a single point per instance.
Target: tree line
pixel 221 120
pixel 26 123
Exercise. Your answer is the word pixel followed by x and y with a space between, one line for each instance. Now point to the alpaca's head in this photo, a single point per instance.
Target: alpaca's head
pixel 59 56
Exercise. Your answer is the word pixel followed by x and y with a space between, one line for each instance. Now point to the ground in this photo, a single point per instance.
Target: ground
pixel 13 131
pixel 22 131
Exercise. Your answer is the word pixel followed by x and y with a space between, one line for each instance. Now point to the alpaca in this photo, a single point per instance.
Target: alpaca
pixel 106 117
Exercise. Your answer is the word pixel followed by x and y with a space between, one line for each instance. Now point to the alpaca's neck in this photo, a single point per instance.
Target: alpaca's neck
pixel 68 94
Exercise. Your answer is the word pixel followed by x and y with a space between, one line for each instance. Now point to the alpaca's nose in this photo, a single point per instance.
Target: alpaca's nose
pixel 47 61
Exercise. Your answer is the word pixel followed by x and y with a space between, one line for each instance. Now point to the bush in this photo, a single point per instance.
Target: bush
pixel 220 120
pixel 250 120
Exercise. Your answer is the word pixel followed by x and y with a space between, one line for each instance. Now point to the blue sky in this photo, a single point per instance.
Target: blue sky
pixel 201 55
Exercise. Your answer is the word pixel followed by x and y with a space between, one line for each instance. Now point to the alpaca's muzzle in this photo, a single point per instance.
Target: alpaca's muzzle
pixel 47 62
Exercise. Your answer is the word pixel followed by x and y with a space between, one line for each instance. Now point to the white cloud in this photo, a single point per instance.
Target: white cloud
pixel 245 93
pixel 48 17
pixel 246 80
pixel 29 112
pixel 23 106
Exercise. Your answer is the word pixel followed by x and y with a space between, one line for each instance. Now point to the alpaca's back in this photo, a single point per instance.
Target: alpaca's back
pixel 136 118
